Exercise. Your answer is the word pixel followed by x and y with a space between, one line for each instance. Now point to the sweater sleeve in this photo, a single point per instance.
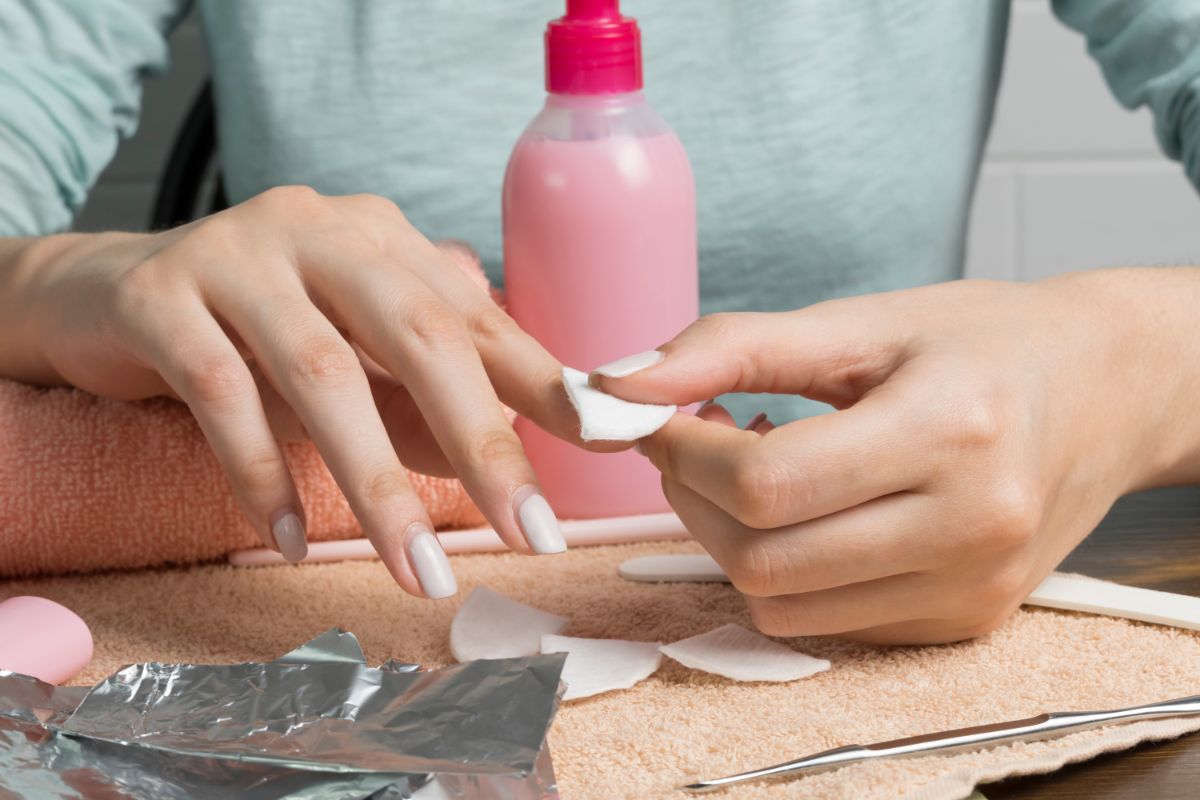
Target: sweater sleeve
pixel 1149 51
pixel 70 90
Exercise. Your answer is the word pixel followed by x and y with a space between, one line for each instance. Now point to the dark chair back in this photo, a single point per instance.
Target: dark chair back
pixel 191 186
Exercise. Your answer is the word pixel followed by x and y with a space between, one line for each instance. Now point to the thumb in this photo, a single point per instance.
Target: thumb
pixel 833 352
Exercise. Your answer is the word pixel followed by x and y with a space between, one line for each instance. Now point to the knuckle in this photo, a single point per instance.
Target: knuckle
pixel 323 361
pixel 139 287
pixel 999 589
pixel 287 198
pixel 981 417
pixel 492 323
pixel 1012 516
pixel 434 325
pixel 752 569
pixel 761 490
pixel 260 474
pixel 215 380
pixel 386 485
pixel 497 446
pixel 776 616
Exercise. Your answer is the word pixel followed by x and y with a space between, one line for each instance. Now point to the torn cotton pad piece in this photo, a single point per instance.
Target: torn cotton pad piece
pixel 737 653
pixel 489 625
pixel 602 665
pixel 602 416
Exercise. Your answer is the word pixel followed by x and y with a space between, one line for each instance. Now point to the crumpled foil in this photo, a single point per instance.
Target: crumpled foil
pixel 316 723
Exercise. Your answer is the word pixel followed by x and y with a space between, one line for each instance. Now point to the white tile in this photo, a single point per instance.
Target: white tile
pixel 991 239
pixel 117 206
pixel 1081 215
pixel 1053 98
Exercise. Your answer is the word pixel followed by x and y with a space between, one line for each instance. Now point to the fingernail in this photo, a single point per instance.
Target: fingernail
pixel 758 419
pixel 539 524
pixel 628 365
pixel 288 531
pixel 429 563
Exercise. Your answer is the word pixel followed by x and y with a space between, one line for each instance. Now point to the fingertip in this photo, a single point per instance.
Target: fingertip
pixel 712 411
pixel 428 563
pixel 538 522
pixel 755 421
pixel 627 365
pixel 288 531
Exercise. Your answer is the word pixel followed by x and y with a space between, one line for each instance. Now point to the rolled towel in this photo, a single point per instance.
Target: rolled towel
pixel 88 483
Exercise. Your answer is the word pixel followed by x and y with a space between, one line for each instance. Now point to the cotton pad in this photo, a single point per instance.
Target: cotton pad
pixel 602 665
pixel 734 652
pixel 489 625
pixel 602 416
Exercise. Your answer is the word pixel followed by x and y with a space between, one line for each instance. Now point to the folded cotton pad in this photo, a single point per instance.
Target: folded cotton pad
pixel 489 625
pixel 602 416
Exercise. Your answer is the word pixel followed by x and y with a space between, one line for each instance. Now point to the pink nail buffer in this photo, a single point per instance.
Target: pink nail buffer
pixel 41 638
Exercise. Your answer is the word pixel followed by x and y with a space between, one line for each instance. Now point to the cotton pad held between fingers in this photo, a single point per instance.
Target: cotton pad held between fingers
pixel 607 418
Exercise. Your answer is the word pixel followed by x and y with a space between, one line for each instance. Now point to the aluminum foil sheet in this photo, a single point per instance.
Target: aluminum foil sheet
pixel 316 723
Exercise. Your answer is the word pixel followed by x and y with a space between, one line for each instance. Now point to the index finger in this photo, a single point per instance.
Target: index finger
pixel 833 352
pixel 797 472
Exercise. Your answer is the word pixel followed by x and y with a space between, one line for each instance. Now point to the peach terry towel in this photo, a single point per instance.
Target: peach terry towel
pixel 88 483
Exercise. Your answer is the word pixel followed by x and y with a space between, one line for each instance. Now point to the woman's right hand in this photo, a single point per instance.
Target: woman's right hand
pixel 349 317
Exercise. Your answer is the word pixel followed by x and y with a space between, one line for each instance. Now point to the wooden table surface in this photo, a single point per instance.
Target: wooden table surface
pixel 1150 539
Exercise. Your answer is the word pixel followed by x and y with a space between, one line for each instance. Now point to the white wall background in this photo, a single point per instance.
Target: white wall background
pixel 1071 179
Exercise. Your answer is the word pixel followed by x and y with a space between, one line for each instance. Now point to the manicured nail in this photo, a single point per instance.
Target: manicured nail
pixel 429 563
pixel 538 523
pixel 628 365
pixel 758 419
pixel 288 531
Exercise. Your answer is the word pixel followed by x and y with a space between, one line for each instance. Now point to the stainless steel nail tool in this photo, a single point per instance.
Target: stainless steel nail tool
pixel 1043 726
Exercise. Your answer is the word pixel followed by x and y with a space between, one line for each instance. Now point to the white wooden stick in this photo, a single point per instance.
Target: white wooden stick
pixel 1056 591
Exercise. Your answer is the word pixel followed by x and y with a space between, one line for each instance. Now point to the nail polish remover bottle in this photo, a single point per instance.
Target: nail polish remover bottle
pixel 599 240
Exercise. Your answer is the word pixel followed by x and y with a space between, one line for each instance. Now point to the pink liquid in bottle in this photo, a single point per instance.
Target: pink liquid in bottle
pixel 599 243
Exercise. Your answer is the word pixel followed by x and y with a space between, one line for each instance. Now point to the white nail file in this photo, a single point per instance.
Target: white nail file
pixel 1056 591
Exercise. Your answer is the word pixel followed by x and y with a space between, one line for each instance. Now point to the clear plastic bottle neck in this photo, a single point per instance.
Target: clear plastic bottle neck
pixel 571 117
pixel 614 103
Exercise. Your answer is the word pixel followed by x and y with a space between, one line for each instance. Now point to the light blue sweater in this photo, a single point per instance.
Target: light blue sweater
pixel 835 144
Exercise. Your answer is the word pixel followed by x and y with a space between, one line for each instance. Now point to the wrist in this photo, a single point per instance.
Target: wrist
pixel 1141 328
pixel 29 270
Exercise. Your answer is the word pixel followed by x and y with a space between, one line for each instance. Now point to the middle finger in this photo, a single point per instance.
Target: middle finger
pixel 875 540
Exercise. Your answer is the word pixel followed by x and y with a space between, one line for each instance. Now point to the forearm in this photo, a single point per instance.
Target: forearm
pixel 1148 321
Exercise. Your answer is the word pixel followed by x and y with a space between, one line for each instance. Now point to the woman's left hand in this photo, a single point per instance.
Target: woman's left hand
pixel 983 430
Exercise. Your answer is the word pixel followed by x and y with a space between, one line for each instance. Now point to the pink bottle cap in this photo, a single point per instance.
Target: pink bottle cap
pixel 593 50
pixel 41 638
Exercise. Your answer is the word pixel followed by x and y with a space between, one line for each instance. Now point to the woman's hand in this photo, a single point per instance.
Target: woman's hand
pixel 348 317
pixel 984 430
